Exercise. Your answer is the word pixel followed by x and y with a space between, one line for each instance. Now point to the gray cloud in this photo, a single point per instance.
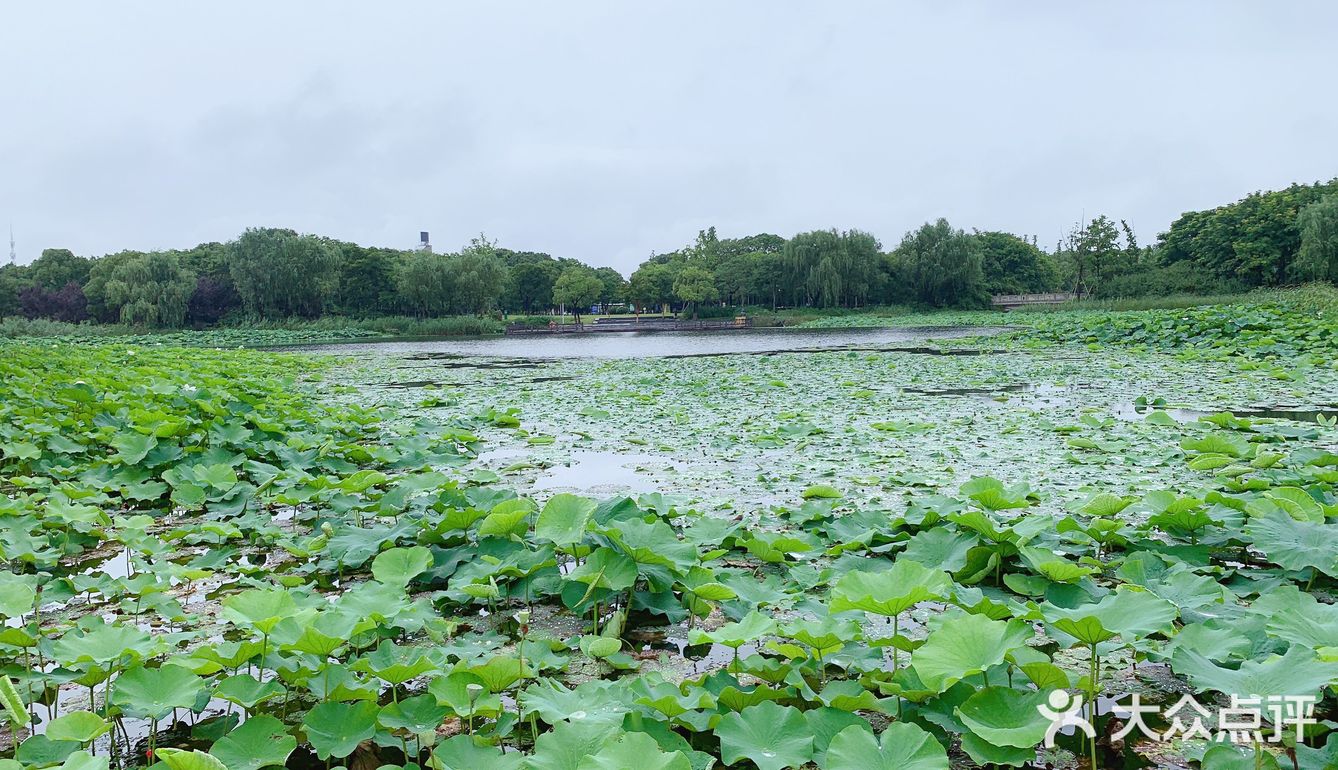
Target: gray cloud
pixel 606 130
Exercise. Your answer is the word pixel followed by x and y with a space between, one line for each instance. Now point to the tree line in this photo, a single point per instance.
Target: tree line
pixel 275 274
pixel 1265 239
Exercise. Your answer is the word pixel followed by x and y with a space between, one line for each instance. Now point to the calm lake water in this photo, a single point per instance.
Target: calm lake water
pixel 655 344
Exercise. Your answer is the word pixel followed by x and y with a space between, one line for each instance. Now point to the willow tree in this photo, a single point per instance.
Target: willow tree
pixel 479 278
pixel 944 266
pixel 1318 256
pixel 803 254
pixel 279 273
pixel 424 284
pixel 150 290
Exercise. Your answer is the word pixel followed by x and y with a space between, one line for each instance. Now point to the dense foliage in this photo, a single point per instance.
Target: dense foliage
pixel 943 267
pixel 268 274
pixel 1318 257
pixel 211 563
pixel 1254 241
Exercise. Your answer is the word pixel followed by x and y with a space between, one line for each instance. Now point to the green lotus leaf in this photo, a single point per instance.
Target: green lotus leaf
pixel 131 448
pixel 500 672
pixel 321 634
pixel 1326 758
pixel 892 591
pixel 396 665
pixel 569 744
pixel 336 729
pixel 261 741
pixel 634 750
pixel 16 596
pixel 260 608
pixel 1294 544
pixel 78 726
pixel 1298 617
pixel 594 701
pixel 564 519
pixel 821 492
pixel 826 723
pixel 600 646
pixel 902 746
pixel 988 754
pixel 752 627
pixel 1005 716
pixel 152 693
pixel 966 645
pixel 942 548
pixel 462 753
pixel 398 566
pixel 103 644
pixel 606 568
pixel 15 709
pixel 185 759
pixel 772 736
pixel 247 691
pixel 1232 757
pixel 1299 672
pixel 417 714
pixel 1218 443
pixel 508 519
pixel 452 691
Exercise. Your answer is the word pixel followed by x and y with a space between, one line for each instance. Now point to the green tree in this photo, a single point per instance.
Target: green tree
pixel 1012 265
pixel 828 268
pixel 95 289
pixel 1095 247
pixel 531 287
pixel 736 276
pixel 652 285
pixel 56 268
pixel 207 259
pixel 479 278
pixel 804 255
pixel 1317 258
pixel 859 262
pixel 12 280
pixel 705 251
pixel 762 243
pixel 1254 241
pixel 695 285
pixel 367 280
pixel 424 283
pixel 615 286
pixel 149 290
pixel 769 276
pixel 944 266
pixel 577 289
pixel 279 273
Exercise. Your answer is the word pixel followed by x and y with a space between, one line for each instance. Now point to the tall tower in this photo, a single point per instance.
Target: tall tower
pixel 13 257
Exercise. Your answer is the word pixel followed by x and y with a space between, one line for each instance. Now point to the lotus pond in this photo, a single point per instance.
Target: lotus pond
pixel 889 554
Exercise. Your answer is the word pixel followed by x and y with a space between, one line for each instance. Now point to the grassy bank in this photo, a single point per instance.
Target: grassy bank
pixel 257 333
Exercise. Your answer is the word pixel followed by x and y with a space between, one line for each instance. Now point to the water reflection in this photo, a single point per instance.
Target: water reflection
pixel 655 344
pixel 598 471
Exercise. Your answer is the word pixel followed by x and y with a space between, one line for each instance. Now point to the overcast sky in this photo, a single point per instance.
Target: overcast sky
pixel 608 130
